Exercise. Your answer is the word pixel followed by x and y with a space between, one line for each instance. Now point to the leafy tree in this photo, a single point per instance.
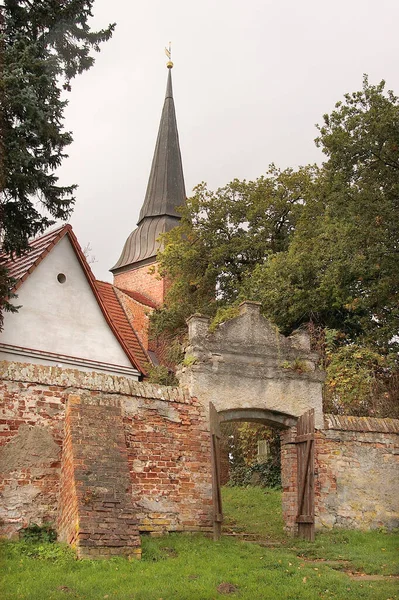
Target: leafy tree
pixel 357 381
pixel 341 268
pixel 245 437
pixel 44 44
pixel 223 235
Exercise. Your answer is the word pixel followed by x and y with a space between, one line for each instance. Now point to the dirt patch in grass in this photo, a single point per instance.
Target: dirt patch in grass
pixel 227 588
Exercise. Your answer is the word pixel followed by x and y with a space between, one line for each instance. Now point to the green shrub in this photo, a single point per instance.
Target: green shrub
pixel 224 314
pixel 38 533
pixel 46 551
pixel 240 476
pixel 161 375
pixel 267 474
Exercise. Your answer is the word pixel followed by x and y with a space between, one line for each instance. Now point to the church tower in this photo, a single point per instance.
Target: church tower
pixel 136 269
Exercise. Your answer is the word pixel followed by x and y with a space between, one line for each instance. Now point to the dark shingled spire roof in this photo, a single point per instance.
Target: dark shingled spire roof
pixel 165 192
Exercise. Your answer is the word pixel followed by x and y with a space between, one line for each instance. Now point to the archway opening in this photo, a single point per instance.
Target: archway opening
pixel 250 472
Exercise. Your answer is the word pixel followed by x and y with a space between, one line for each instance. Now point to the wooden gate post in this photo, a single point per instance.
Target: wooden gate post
pixel 215 457
pixel 305 456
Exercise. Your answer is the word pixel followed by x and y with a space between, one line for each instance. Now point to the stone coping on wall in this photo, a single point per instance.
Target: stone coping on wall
pixel 361 424
pixel 102 382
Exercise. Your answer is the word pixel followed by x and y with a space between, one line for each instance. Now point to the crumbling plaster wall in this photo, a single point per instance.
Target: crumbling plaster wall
pixel 31 430
pixel 357 473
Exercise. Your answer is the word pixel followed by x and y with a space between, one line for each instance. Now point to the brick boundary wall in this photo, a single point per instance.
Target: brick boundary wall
pixel 166 445
pixel 356 474
pixel 165 438
pixel 289 470
pixel 67 522
pixel 169 456
pixel 58 379
pixel 31 437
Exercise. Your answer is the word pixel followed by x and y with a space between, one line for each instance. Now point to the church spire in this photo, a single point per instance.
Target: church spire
pixel 165 191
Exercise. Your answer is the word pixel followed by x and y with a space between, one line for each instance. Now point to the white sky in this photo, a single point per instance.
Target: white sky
pixel 251 80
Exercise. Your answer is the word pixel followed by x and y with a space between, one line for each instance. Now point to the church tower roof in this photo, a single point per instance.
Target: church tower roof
pixel 165 191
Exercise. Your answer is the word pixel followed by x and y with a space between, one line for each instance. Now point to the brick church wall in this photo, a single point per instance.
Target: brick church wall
pixel 144 280
pixel 138 315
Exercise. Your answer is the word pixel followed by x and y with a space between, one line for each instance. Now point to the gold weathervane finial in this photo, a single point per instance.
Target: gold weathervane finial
pixel 168 52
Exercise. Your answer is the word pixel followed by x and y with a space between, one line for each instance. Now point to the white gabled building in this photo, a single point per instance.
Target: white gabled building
pixel 66 317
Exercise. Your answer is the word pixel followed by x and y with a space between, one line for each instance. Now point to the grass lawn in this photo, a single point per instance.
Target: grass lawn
pixel 185 567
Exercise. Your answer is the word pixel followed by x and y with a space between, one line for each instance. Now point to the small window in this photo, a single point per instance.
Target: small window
pixel 61 278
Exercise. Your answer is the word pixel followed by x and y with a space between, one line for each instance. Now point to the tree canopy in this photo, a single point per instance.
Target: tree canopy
pixel 341 269
pixel 224 235
pixel 318 247
pixel 44 44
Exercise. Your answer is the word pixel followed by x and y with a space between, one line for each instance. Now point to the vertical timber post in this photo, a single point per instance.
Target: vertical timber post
pixel 305 456
pixel 215 458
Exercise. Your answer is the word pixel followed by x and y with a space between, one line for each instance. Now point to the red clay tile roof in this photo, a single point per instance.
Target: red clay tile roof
pixel 347 423
pixel 22 266
pixel 139 298
pixel 122 324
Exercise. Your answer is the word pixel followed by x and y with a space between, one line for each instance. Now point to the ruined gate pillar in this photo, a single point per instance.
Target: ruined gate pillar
pixel 245 363
pixel 96 513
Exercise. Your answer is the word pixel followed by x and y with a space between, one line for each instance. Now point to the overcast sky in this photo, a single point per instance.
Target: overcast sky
pixel 251 79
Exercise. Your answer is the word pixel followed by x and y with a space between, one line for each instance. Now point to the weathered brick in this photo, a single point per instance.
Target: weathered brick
pixel 137 457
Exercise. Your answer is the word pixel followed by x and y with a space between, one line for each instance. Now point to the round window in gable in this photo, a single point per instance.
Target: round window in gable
pixel 61 278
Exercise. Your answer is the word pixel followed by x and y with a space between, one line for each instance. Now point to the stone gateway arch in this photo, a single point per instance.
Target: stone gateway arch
pixel 245 370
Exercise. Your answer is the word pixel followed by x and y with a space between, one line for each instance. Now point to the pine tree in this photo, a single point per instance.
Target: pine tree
pixel 44 44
